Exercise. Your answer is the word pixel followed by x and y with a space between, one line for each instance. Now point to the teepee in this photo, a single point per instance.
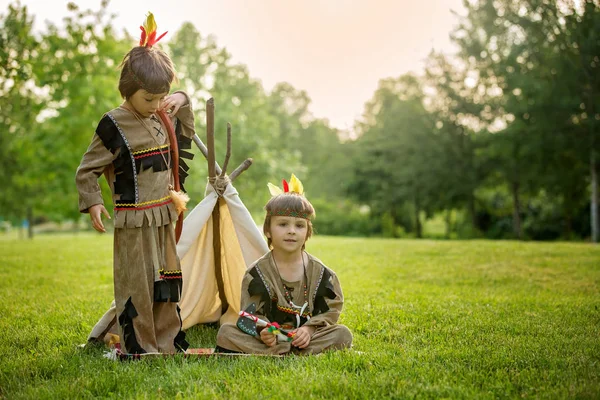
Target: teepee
pixel 219 239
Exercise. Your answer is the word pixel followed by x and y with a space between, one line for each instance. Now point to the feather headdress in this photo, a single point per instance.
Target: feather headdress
pixel 149 28
pixel 294 186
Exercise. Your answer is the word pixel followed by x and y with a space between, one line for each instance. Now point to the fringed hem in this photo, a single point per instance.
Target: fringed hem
pixel 126 321
pixel 156 216
pixel 181 345
pixel 167 290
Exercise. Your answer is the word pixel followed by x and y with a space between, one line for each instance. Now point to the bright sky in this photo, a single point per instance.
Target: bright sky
pixel 335 50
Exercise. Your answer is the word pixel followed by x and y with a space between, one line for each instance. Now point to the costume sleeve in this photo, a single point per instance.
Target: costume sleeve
pixel 184 131
pixel 335 304
pixel 94 161
pixel 256 298
pixel 185 115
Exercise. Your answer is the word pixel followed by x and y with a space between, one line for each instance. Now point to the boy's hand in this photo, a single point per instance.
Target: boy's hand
pixel 268 338
pixel 303 336
pixel 173 103
pixel 96 212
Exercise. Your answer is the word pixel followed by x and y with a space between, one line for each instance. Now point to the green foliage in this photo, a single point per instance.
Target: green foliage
pixel 512 110
pixel 274 129
pixel 459 166
pixel 74 71
pixel 543 218
pixel 527 59
pixel 205 71
pixel 79 68
pixel 19 104
pixel 342 218
pixel 431 319
pixel 513 116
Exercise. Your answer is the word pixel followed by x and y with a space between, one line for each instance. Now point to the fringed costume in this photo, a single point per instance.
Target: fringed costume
pixel 134 155
pixel 276 301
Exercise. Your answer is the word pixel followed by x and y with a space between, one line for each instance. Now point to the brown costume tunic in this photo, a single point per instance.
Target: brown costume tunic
pixel 147 275
pixel 263 286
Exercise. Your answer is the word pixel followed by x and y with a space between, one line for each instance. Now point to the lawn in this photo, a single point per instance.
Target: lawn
pixel 431 319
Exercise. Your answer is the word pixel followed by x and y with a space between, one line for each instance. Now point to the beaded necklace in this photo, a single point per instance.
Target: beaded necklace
pixel 297 310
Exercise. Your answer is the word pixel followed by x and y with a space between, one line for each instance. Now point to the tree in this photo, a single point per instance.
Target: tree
pixel 516 49
pixel 313 141
pixel 20 103
pixel 206 71
pixel 77 67
pixel 396 152
pixel 581 33
pixel 458 109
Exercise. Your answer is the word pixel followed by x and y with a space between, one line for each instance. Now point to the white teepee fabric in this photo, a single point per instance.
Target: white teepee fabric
pixel 241 244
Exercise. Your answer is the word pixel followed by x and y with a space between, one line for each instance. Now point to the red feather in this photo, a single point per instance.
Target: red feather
pixel 143 38
pixel 160 37
pixel 286 188
pixel 151 38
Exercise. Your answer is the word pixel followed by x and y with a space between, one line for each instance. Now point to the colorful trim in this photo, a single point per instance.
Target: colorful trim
pixel 264 281
pixel 288 213
pixel 154 153
pixel 293 312
pixel 169 274
pixel 318 284
pixel 135 180
pixel 143 206
pixel 151 151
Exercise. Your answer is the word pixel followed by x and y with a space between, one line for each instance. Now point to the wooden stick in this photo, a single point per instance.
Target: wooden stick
pixel 210 136
pixel 238 171
pixel 216 214
pixel 202 147
pixel 216 217
pixel 228 153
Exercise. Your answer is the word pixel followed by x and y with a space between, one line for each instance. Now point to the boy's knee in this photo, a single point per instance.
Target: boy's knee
pixel 227 330
pixel 227 327
pixel 345 336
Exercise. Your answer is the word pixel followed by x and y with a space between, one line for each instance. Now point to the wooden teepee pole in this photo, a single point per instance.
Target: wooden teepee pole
pixel 216 214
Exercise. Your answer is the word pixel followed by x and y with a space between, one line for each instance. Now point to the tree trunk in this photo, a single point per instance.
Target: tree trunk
pixel 516 210
pixel 471 210
pixel 418 227
pixel 395 222
pixel 29 222
pixel 594 196
pixel 448 223
pixel 590 84
pixel 568 224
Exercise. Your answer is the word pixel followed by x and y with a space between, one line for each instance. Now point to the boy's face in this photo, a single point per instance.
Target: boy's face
pixel 146 103
pixel 288 234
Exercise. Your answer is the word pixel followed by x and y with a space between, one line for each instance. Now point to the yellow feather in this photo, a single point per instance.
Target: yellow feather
pixel 274 190
pixel 150 24
pixel 296 185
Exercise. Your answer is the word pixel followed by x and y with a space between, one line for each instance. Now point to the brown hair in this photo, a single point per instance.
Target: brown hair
pixel 290 204
pixel 146 68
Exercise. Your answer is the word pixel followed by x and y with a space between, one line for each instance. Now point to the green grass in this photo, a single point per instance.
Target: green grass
pixel 431 319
